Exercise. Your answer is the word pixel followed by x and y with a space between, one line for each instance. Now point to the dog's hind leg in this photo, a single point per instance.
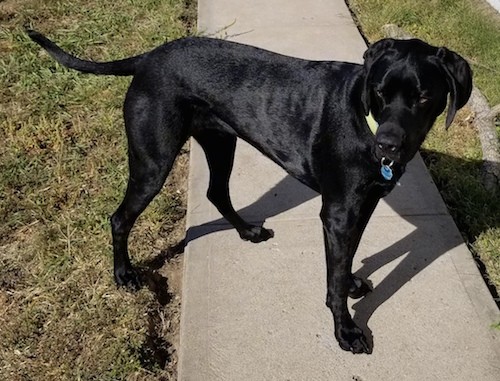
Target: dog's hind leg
pixel 152 151
pixel 219 149
pixel 143 186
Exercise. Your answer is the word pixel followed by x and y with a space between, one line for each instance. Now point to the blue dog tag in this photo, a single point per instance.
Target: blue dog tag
pixel 386 172
pixel 385 169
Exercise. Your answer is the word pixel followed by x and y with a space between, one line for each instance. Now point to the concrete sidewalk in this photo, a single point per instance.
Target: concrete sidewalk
pixel 257 311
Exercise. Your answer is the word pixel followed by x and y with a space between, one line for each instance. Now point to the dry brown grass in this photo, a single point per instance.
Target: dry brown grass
pixel 63 170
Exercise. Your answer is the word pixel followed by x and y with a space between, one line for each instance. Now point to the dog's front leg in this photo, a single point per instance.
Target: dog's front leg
pixel 339 228
pixel 358 287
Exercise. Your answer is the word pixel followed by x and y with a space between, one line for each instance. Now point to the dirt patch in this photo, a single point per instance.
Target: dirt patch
pixel 162 275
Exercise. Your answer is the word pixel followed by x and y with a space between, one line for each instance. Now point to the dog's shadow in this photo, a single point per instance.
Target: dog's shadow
pixel 412 256
pixel 429 239
pixel 285 195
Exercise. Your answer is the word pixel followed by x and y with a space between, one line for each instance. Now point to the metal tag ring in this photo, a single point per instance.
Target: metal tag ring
pixel 383 162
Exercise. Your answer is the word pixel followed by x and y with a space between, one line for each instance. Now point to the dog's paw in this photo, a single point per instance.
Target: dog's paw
pixel 128 278
pixel 358 287
pixel 256 234
pixel 352 339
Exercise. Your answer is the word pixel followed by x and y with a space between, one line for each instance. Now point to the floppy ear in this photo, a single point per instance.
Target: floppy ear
pixel 372 55
pixel 459 78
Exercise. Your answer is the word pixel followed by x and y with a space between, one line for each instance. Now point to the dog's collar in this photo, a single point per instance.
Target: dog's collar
pixel 385 164
pixel 372 123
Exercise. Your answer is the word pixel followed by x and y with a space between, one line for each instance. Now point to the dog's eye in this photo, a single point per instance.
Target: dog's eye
pixel 379 95
pixel 423 99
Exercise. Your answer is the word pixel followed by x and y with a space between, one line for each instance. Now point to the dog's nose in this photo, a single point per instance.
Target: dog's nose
pixel 388 143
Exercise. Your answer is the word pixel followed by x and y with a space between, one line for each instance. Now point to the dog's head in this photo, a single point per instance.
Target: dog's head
pixel 406 86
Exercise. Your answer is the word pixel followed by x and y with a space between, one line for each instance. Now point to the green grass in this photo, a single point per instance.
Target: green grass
pixel 63 171
pixel 462 25
pixel 454 156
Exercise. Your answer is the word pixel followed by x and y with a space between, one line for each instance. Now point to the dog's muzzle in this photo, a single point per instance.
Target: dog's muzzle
pixel 389 141
pixel 388 145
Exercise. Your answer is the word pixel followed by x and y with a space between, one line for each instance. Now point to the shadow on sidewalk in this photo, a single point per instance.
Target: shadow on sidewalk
pixel 416 253
pixel 285 195
pixel 414 250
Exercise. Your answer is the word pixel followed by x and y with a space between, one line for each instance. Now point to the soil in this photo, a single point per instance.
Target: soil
pixel 163 276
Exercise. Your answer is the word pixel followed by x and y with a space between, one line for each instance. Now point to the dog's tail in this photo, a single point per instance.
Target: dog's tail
pixel 126 66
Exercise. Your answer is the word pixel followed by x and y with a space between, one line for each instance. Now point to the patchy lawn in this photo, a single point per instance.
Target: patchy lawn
pixel 63 171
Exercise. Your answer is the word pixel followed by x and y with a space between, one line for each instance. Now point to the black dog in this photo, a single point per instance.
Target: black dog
pixel 307 116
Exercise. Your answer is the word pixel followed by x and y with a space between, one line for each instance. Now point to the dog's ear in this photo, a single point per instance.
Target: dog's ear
pixel 459 78
pixel 372 55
